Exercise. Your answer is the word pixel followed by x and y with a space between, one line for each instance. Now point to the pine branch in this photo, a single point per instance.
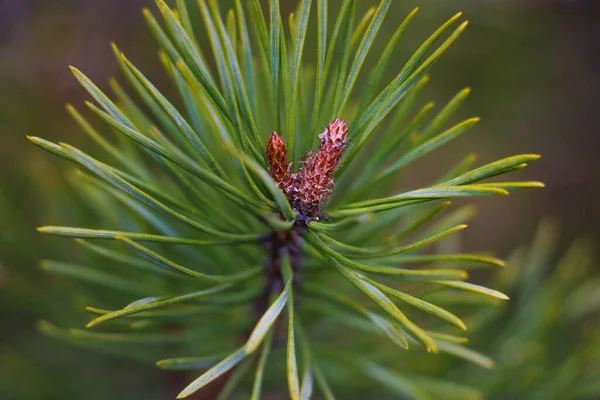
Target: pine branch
pixel 236 221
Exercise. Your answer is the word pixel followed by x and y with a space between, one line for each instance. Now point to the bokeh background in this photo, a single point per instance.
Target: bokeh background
pixel 534 66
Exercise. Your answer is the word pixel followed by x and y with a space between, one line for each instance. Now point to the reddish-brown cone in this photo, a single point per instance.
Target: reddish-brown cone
pixel 279 167
pixel 317 171
pixel 307 189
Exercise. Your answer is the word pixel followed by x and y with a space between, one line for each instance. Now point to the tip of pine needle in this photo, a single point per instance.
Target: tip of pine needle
pixel 92 323
pixel 456 16
pixel 121 238
pixel 74 70
pixel 162 5
pixel 432 348
pixel 502 296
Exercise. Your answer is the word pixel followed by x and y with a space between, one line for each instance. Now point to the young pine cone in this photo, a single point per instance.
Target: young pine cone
pixel 311 185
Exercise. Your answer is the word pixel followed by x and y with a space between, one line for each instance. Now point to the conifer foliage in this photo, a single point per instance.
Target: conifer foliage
pixel 222 242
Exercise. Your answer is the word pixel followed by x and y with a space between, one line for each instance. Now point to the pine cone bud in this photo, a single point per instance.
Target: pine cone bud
pixel 317 171
pixel 333 143
pixel 279 167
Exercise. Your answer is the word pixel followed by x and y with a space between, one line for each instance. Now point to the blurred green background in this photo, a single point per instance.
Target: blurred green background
pixel 534 66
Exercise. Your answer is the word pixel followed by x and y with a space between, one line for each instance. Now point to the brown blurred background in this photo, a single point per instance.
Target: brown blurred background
pixel 534 66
